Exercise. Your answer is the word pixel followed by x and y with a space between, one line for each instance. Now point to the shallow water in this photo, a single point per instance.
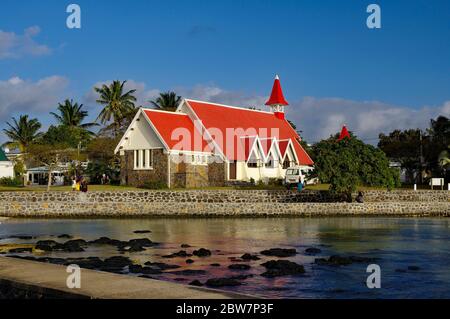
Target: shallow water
pixel 397 242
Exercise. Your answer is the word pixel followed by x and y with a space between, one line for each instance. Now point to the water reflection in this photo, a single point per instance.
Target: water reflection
pixel 398 243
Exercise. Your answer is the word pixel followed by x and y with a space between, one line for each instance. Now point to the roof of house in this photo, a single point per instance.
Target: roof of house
pixel 173 127
pixel 245 122
pixel 3 157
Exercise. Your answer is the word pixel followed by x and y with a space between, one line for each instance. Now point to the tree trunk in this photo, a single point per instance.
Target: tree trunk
pixel 49 179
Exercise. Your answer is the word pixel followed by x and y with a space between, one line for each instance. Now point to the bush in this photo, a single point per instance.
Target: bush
pixel 153 185
pixel 11 181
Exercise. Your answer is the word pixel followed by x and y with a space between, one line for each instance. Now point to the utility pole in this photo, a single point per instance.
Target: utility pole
pixel 421 157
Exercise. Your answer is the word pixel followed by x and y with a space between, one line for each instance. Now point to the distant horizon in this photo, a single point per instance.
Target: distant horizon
pixel 333 69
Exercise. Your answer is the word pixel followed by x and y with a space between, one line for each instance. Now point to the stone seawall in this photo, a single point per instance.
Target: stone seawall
pixel 219 203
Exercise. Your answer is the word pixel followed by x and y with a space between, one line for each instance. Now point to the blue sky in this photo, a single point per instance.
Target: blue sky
pixel 332 67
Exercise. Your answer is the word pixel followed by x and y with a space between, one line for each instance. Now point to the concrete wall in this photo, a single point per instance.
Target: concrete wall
pixel 216 203
pixel 6 169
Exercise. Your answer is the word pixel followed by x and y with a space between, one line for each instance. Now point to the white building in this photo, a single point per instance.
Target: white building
pixel 6 166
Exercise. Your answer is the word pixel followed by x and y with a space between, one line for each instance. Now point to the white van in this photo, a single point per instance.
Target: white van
pixel 297 174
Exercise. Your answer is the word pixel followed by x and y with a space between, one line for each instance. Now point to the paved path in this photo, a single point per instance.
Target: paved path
pixel 38 276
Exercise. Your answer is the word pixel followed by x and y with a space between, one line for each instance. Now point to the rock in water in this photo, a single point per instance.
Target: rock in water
pixel 181 253
pixel 239 267
pixel 144 231
pixel 313 251
pixel 277 268
pixel 65 236
pixel 202 252
pixel 279 252
pixel 337 260
pixel 248 256
pixel 222 282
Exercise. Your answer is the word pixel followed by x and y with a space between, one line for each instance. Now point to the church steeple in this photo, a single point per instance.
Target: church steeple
pixel 277 102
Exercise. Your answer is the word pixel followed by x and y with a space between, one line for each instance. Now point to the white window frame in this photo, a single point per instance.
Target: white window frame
pixel 143 159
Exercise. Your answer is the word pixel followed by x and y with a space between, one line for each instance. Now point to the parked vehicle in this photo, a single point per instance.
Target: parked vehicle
pixel 297 174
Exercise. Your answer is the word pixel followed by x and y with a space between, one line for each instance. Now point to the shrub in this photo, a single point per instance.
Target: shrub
pixel 153 185
pixel 11 181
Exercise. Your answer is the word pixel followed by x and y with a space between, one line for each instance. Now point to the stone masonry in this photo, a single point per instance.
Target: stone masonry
pixel 218 203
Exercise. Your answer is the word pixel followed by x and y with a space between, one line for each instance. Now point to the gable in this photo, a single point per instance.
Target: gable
pixel 141 136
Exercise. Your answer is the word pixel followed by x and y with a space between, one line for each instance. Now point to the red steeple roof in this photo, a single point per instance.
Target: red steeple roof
pixel 344 133
pixel 276 97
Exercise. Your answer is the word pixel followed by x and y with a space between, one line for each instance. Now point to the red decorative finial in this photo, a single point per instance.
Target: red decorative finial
pixel 276 97
pixel 344 133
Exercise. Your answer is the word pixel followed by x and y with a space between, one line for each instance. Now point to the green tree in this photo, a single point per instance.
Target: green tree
pixel 167 101
pixel 72 115
pixel 404 147
pixel 348 163
pixel 118 104
pixel 22 132
pixel 71 136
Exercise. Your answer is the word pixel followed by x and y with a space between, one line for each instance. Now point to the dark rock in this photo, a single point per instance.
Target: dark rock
pixel 413 268
pixel 239 267
pixel 181 253
pixel 131 248
pixel 235 259
pixel 222 282
pixel 241 277
pixel 248 256
pixel 215 265
pixel 48 245
pixel 279 252
pixel 180 279
pixel 185 246
pixel 277 268
pixel 74 245
pixel 106 241
pixel 65 236
pixel 161 266
pixel 20 250
pixel 23 237
pixel 188 272
pixel 196 283
pixel 142 231
pixel 337 260
pixel 118 261
pixel 150 271
pixel 189 261
pixel 144 242
pixel 202 252
pixel 313 251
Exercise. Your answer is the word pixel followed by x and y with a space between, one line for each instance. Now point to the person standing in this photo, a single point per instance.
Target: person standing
pixel 74 184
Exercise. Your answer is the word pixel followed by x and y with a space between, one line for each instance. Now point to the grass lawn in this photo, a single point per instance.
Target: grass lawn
pixel 68 188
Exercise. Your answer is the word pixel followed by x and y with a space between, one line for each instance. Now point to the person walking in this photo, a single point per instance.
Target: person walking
pixel 74 184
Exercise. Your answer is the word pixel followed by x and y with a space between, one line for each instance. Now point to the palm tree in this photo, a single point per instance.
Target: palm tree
pixel 167 101
pixel 71 115
pixel 22 132
pixel 444 158
pixel 118 105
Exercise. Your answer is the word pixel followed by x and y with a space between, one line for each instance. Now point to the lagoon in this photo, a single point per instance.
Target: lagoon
pixel 420 244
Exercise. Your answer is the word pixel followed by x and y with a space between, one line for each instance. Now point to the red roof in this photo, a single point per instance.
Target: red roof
pixel 344 133
pixel 172 127
pixel 247 143
pixel 276 97
pixel 283 145
pixel 226 120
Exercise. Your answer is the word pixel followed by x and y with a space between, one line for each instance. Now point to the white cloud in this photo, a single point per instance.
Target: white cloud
pixel 18 96
pixel 13 45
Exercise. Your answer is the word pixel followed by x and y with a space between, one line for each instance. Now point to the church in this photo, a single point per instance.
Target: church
pixel 208 144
